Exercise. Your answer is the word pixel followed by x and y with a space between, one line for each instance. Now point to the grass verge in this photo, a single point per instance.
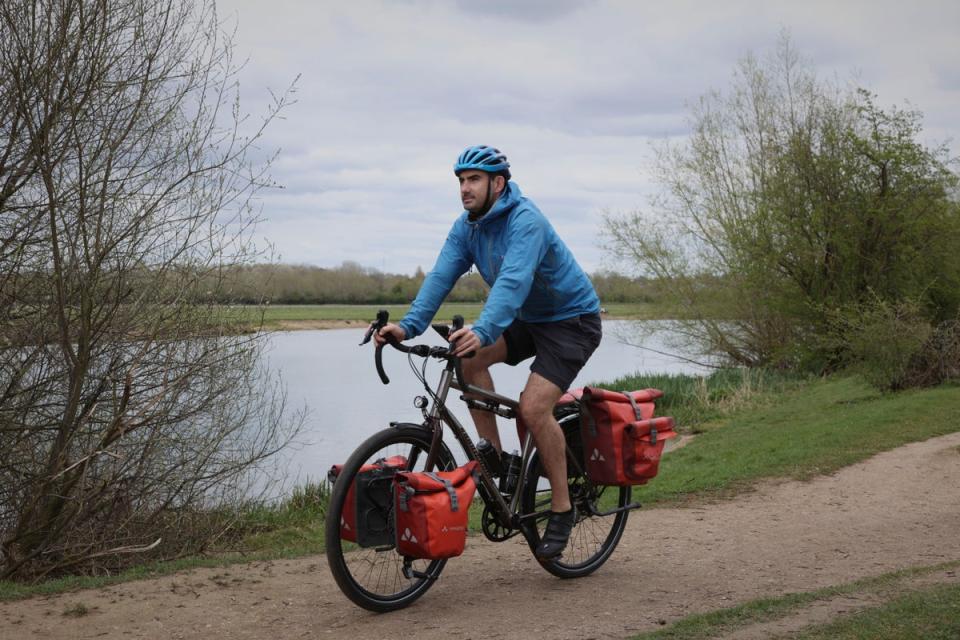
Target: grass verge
pixel 811 430
pixel 931 610
pixel 283 316
pixel 290 529
pixel 926 614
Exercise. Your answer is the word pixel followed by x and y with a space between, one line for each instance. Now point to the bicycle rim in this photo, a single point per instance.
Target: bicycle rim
pixel 594 537
pixel 373 577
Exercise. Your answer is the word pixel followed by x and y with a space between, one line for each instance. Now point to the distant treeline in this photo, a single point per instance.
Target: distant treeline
pixel 352 283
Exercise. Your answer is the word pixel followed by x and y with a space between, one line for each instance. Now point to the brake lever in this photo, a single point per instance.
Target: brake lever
pixel 369 334
pixel 443 330
pixel 382 317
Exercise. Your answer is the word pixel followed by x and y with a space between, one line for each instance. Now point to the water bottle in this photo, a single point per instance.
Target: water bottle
pixel 489 456
pixel 511 471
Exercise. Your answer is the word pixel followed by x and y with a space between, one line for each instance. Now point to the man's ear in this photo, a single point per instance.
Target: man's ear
pixel 499 184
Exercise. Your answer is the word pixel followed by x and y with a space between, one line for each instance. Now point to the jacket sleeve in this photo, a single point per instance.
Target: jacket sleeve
pixel 526 247
pixel 453 262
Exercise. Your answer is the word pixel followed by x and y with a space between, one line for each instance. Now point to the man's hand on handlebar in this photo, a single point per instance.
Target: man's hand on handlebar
pixel 464 342
pixel 389 329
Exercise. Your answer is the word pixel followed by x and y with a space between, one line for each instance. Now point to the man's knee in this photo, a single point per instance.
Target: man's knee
pixel 535 413
pixel 537 402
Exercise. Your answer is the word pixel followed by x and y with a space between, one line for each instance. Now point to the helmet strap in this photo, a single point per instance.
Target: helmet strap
pixel 488 202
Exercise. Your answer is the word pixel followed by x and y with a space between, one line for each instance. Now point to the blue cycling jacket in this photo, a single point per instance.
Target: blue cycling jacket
pixel 531 272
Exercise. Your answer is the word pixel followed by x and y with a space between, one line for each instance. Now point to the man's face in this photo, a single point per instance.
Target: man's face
pixel 477 187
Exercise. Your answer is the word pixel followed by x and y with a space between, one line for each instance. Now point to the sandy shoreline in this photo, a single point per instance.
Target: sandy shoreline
pixel 304 325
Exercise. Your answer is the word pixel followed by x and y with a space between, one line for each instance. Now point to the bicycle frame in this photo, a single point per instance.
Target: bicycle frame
pixel 507 514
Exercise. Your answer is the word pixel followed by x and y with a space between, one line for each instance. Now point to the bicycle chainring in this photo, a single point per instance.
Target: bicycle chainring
pixel 493 530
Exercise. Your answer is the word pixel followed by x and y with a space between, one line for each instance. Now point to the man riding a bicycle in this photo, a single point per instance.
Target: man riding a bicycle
pixel 541 304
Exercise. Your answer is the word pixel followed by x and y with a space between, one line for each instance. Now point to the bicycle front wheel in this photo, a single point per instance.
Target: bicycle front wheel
pixel 594 536
pixel 373 577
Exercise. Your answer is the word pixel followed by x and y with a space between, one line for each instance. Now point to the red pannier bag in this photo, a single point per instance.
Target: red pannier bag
pixel 431 511
pixel 375 531
pixel 622 441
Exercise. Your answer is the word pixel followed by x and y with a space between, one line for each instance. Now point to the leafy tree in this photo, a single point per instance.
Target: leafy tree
pixel 791 201
pixel 126 414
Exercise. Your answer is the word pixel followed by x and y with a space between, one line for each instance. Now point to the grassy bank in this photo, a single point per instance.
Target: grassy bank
pixel 318 315
pixel 811 430
pixel 756 425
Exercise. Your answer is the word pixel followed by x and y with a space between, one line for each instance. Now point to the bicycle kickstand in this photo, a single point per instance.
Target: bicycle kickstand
pixel 410 573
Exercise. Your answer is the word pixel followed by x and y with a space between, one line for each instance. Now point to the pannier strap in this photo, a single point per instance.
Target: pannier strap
pixel 405 497
pixel 587 416
pixel 409 491
pixel 633 403
pixel 652 433
pixel 448 486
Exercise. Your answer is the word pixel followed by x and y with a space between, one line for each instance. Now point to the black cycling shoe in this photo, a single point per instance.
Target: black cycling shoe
pixel 555 538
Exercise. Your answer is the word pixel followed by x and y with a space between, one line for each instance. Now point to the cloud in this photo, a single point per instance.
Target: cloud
pixel 532 11
pixel 573 91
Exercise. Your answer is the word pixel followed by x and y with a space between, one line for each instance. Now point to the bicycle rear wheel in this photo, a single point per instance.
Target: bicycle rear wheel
pixel 373 577
pixel 595 536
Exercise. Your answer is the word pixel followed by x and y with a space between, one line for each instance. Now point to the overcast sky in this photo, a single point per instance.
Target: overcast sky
pixel 573 91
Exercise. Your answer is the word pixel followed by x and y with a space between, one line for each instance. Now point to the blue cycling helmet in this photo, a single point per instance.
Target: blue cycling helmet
pixel 480 157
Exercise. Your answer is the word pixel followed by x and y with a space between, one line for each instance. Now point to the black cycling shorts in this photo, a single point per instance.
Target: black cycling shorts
pixel 561 348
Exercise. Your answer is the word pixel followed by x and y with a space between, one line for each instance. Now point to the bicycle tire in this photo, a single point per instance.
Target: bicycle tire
pixel 594 537
pixel 373 578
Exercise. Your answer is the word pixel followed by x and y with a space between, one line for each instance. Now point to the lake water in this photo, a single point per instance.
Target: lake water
pixel 336 380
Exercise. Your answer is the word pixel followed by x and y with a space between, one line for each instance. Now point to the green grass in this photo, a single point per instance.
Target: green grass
pixel 815 429
pixel 291 528
pixel 932 609
pixel 927 614
pixel 695 401
pixel 275 315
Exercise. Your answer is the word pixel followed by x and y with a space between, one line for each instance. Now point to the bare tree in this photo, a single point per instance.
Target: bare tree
pixel 128 411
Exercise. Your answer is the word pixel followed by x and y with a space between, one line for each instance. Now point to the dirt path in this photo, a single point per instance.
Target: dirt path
pixel 897 510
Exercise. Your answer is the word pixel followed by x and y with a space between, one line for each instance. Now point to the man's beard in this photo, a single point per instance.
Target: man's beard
pixel 479 211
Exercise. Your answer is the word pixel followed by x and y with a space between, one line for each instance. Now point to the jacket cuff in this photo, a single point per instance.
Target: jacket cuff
pixel 485 340
pixel 408 330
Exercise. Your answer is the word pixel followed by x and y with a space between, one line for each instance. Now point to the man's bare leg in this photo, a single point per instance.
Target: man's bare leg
pixel 536 406
pixel 476 370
